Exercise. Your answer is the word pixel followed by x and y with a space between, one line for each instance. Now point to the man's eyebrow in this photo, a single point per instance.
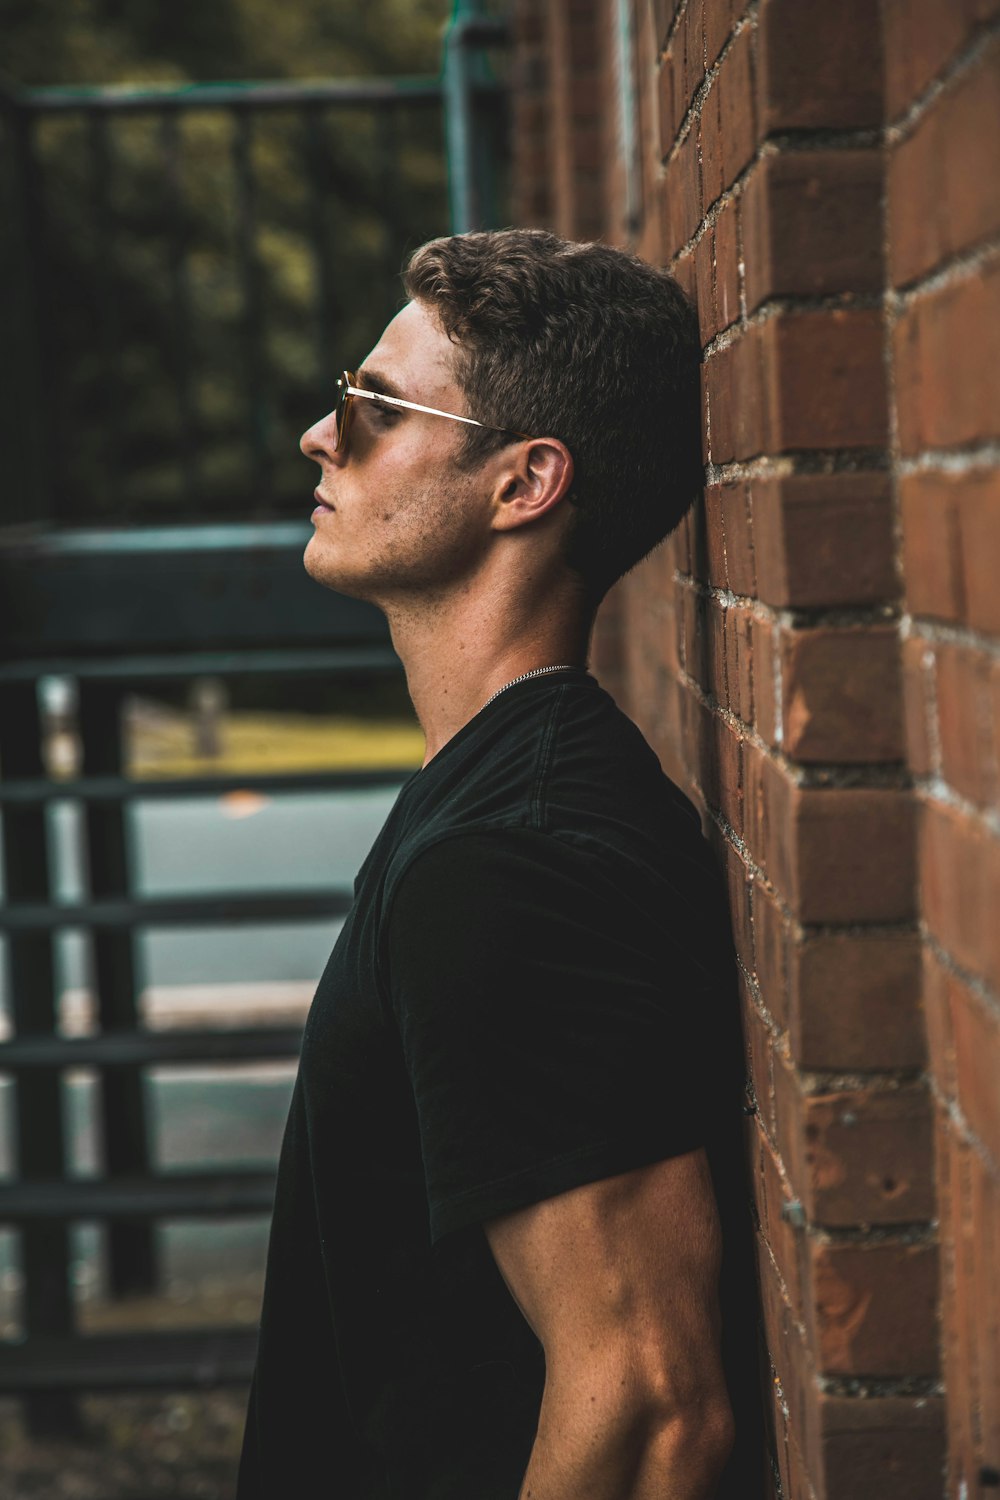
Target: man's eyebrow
pixel 371 380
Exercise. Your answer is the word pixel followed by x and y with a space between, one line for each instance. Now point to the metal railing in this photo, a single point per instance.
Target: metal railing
pixel 53 1360
pixel 192 267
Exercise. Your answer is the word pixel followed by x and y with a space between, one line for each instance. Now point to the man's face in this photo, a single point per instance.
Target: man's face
pixel 397 518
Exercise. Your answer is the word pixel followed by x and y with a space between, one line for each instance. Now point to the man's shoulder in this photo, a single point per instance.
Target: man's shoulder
pixel 563 759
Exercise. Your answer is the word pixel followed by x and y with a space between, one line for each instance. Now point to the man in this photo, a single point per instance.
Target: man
pixel 495 1258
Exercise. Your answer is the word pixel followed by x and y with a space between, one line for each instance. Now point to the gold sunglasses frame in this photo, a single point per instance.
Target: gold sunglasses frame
pixel 347 389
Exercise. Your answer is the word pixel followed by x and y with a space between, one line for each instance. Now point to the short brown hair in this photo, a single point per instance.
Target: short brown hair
pixel 588 344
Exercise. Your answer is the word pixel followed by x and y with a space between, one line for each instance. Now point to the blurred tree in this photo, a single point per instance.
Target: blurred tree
pixel 199 277
pixel 129 41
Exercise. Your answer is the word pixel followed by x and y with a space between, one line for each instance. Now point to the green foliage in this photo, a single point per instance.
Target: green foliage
pixel 196 279
pixel 147 41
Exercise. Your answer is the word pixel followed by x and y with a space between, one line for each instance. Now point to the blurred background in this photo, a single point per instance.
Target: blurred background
pixel 203 214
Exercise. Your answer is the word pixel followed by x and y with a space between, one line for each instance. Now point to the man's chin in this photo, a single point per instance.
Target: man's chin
pixel 323 569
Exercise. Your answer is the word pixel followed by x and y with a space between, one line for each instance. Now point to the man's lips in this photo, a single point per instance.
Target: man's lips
pixel 323 507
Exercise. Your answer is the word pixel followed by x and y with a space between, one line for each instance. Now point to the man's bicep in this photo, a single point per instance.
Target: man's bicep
pixel 625 1267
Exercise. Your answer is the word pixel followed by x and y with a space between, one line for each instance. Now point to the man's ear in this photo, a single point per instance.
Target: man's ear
pixel 533 478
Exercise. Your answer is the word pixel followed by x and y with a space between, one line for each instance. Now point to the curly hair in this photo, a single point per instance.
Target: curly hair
pixel 588 344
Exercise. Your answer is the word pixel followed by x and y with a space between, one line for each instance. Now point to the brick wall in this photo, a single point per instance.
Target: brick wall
pixel 942 82
pixel 814 655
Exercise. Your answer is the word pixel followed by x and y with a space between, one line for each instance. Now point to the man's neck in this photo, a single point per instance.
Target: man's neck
pixel 459 651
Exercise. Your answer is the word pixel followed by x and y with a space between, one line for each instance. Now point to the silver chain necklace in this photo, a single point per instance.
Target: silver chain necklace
pixel 535 672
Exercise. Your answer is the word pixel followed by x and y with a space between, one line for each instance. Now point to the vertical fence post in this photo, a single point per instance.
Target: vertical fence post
pixel 103 271
pixel 176 234
pixel 258 415
pixel 132 1268
pixel 45 1248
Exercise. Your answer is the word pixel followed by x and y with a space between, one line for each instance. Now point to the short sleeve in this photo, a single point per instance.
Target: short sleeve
pixel 553 1005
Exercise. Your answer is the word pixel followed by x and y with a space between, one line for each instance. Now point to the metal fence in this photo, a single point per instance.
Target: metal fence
pixel 197 266
pixel 192 266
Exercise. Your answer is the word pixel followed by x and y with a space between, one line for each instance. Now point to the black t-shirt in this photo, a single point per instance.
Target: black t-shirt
pixel 533 990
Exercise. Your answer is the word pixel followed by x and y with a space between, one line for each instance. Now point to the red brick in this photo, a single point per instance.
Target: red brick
pixel 932 556
pixel 728 752
pixel 944 353
pixel 853 855
pixel 663 18
pixel 799 1478
pixel 819 65
pixel 964 1314
pixel 812 225
pixel 977 497
pixel 762 636
pixel 874 1308
pixel 759 1064
pixel 824 539
pixel 715 654
pixel 683 184
pixel 772 944
pixel 877 1448
pixel 921 36
pixel 918 704
pixel 937 1015
pixel 775 1196
pixel 740 572
pixel 720 18
pixel 867 1157
pixel 966 727
pixel 750 395
pixel 976 1029
pixel 710 141
pixel 665 108
pixel 717 375
pixel 855 1002
pixel 954 1348
pixel 737 107
pixel 788 1354
pixel 841 694
pixel 692 610
pixel 743 645
pixel 788 1120
pixel 685 272
pixel 738 885
pixel 704 267
pixel 826 380
pixel 986 1299
pixel 694 47
pixel 674 60
pixel 960 881
pixel 715 536
pixel 696 534
pixel 943 187
pixel 727 275
pixel 733 675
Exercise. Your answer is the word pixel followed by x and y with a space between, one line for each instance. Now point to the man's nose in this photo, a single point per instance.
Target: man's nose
pixel 317 442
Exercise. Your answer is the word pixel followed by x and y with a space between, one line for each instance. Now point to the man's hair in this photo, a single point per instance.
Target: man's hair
pixel 588 344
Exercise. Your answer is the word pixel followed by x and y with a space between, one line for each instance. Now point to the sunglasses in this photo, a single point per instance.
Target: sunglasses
pixel 347 390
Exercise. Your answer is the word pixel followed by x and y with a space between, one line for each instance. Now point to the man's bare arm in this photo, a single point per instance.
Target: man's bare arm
pixel 619 1280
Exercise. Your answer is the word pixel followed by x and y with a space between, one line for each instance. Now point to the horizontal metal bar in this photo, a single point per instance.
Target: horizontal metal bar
pixel 177 1195
pixel 248 94
pixel 144 1048
pixel 227 537
pixel 177 911
pixel 124 788
pixel 151 1358
pixel 321 660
